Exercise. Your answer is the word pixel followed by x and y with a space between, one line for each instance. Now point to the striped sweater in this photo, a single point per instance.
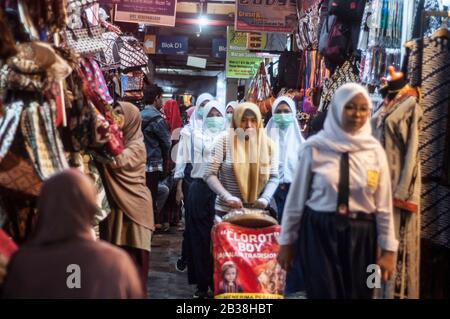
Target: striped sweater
pixel 220 164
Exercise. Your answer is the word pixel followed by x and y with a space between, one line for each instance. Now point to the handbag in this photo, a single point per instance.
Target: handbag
pixel 86 41
pixel 109 57
pixel 131 53
pixel 17 172
pixel 132 81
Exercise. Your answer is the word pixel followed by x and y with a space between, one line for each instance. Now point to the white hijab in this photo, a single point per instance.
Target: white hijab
pixel 333 137
pixel 195 122
pixel 233 105
pixel 203 138
pixel 287 141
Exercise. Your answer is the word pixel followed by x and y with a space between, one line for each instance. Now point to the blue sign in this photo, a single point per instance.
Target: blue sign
pixel 171 45
pixel 219 48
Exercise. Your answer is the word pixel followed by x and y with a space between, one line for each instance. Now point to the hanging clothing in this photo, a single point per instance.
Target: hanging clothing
pixel 173 116
pixel 248 173
pixel 432 141
pixel 40 268
pixel 397 128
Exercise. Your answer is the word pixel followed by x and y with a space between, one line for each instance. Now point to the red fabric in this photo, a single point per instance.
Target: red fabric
pixel 7 245
pixel 173 116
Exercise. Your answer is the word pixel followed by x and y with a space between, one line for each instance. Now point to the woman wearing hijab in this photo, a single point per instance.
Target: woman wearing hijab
pixel 285 132
pixel 200 202
pixel 173 116
pixel 340 204
pixel 174 121
pixel 184 160
pixel 130 223
pixel 62 259
pixel 245 162
pixel 230 110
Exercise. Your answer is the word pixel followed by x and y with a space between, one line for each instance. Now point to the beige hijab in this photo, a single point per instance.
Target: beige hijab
pixel 126 178
pixel 251 158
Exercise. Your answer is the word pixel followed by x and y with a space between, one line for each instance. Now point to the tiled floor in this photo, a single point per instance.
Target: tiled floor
pixel 164 282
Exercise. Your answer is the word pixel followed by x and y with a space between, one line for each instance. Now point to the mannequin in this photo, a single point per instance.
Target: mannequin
pixel 396 126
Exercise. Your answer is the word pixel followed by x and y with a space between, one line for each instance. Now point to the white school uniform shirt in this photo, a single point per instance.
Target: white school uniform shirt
pixel 316 185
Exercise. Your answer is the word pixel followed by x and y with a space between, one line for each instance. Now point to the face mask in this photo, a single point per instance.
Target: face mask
pixel 200 112
pixel 229 116
pixel 215 124
pixel 283 120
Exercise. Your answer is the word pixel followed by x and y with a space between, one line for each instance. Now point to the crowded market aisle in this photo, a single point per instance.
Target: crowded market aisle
pixel 164 281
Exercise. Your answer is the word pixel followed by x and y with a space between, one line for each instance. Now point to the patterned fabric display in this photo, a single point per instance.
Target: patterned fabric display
pixel 133 81
pixel 109 57
pixel 8 126
pixel 86 41
pixel 41 140
pixel 436 97
pixel 17 173
pixel 96 80
pixel 344 74
pixel 131 53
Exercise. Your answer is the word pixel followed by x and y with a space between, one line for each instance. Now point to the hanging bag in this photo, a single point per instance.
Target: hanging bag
pixel 348 11
pixel 131 52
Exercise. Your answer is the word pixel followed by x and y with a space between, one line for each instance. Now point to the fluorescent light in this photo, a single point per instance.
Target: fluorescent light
pixel 202 20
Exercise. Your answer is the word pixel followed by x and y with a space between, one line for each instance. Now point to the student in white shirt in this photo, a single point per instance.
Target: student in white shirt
pixel 284 130
pixel 183 166
pixel 337 243
pixel 201 200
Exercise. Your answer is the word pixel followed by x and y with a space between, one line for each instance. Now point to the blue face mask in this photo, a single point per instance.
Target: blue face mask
pixel 283 120
pixel 229 117
pixel 215 124
pixel 200 112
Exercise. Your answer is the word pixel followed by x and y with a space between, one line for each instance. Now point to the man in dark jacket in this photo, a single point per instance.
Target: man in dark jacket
pixel 157 140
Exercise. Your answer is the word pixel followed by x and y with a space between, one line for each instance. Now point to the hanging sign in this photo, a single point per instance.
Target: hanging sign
pixel 240 63
pixel 150 44
pixel 266 15
pixel 219 48
pixel 150 12
pixel 266 41
pixel 172 45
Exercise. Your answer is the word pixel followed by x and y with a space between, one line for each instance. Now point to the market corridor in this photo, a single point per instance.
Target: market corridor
pixel 164 282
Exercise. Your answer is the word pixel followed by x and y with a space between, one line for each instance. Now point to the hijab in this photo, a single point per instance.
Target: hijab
pixel 125 179
pixel 204 138
pixel 251 158
pixel 62 238
pixel 287 141
pixel 195 121
pixel 231 104
pixel 173 116
pixel 333 137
